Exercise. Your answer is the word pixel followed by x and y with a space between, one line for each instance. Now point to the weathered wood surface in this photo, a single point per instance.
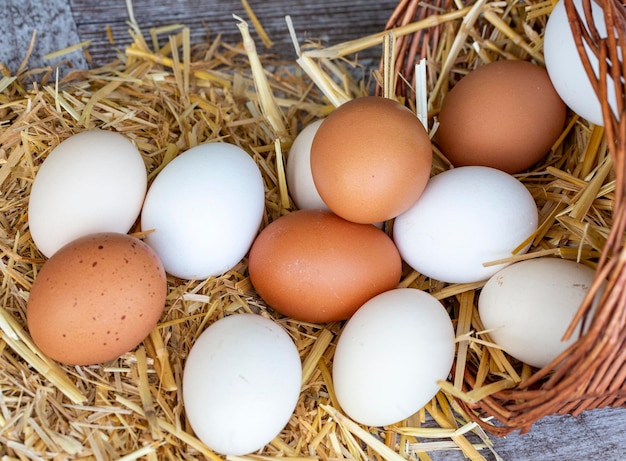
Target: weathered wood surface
pixel 53 26
pixel 60 23
pixel 596 435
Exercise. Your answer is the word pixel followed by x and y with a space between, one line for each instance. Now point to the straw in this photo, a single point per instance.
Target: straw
pixel 168 98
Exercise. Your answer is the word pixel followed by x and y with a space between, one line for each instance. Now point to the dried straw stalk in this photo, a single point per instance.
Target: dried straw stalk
pixel 170 97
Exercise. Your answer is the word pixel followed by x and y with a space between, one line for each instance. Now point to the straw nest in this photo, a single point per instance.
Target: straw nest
pixel 168 95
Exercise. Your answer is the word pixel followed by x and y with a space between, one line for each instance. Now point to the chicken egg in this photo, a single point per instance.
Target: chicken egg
pixel 96 298
pixel 204 209
pixel 527 307
pixel 94 181
pixel 370 159
pixel 390 356
pixel 241 383
pixel 565 66
pixel 298 172
pixel 467 216
pixel 314 266
pixel 505 115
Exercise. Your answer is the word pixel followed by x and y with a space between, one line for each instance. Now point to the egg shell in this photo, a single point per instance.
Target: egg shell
pixel 505 115
pixel 370 159
pixel 565 66
pixel 467 216
pixel 94 181
pixel 241 383
pixel 391 354
pixel 529 305
pixel 96 298
pixel 298 172
pixel 204 209
pixel 314 266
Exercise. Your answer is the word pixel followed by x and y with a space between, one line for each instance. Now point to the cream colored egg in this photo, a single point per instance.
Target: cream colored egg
pixel 298 172
pixel 94 181
pixel 390 356
pixel 527 307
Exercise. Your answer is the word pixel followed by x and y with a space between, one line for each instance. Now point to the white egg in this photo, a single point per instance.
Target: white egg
pixel 390 355
pixel 565 66
pixel 203 210
pixel 466 217
pixel 94 181
pixel 241 383
pixel 298 172
pixel 530 304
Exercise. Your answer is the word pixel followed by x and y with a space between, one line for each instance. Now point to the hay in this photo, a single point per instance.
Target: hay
pixel 169 98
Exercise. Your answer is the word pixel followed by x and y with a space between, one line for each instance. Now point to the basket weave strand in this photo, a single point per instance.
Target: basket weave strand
pixel 592 372
pixel 412 48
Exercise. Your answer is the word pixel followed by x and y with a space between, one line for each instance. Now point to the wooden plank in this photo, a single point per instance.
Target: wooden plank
pixel 329 21
pixel 595 435
pixel 62 23
pixel 53 24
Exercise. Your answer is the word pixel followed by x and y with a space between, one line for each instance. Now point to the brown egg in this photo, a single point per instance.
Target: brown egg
pixel 314 266
pixel 370 159
pixel 96 298
pixel 504 115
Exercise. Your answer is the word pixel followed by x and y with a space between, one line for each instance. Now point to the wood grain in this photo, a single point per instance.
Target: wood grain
pixel 596 435
pixel 325 21
pixel 54 28
pixel 62 23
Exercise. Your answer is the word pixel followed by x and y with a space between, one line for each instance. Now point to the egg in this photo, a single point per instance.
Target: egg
pixel 298 172
pixel 466 217
pixel 505 115
pixel 370 159
pixel 94 181
pixel 390 356
pixel 565 66
pixel 96 298
pixel 204 209
pixel 241 383
pixel 528 306
pixel 314 266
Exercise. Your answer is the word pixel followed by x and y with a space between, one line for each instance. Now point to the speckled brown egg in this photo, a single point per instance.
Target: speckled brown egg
pixel 96 298
pixel 504 115
pixel 314 266
pixel 370 159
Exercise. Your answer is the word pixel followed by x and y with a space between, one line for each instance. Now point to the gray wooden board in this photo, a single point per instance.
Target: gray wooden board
pixel 62 23
pixel 596 435
pixel 53 24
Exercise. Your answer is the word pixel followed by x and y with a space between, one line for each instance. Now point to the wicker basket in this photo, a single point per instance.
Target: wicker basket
pixel 592 373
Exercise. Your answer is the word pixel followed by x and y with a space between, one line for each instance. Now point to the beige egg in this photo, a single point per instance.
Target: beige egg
pixel 528 306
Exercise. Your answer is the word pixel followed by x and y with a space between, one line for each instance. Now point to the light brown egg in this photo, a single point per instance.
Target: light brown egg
pixel 96 298
pixel 504 115
pixel 314 266
pixel 370 159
